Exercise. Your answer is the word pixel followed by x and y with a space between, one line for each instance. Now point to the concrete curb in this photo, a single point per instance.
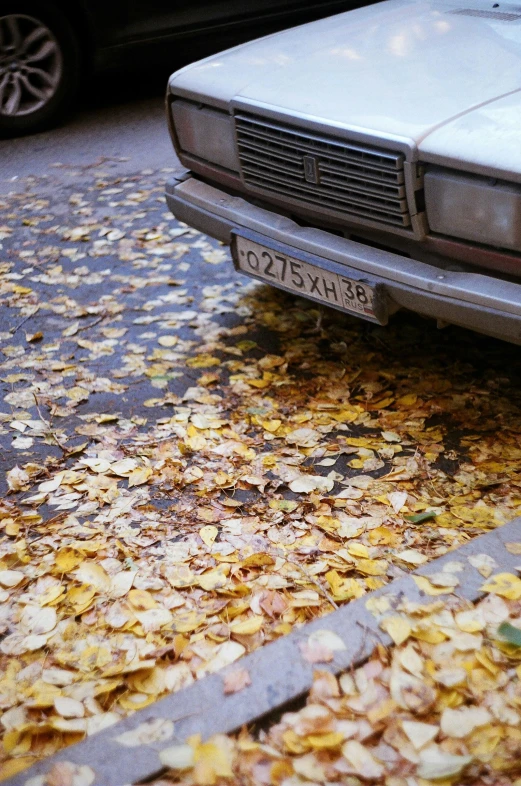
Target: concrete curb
pixel 278 674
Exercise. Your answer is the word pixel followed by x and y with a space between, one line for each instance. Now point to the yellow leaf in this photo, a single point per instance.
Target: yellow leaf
pixel 141 600
pixel 11 740
pixel 343 589
pixel 259 383
pixel 135 701
pixel 67 559
pixel 80 598
pixel 213 579
pixel 286 505
pixel 505 584
pixel 398 628
pixel 12 528
pixel 271 425
pixel 51 595
pixel 203 361
pixel 430 635
pixel 92 574
pixel 33 337
pixel 280 771
pixel 139 476
pixel 213 760
pixel 13 766
pixel 259 560
pixel 208 534
pixel 150 682
pixel 248 627
pixel 322 741
pixel 425 586
pixel 372 567
pixel 358 550
pixel 409 400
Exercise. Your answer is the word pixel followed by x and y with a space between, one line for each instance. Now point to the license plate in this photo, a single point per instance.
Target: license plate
pixel 276 266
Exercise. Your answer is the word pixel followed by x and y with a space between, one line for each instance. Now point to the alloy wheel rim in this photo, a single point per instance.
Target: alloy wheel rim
pixel 31 65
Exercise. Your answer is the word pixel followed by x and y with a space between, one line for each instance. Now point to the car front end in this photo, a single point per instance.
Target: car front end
pixel 368 161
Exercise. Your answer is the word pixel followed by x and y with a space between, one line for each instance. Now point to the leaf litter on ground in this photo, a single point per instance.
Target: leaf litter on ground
pixel 195 465
pixel 440 706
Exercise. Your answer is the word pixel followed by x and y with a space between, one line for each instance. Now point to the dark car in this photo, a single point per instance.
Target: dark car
pixel 47 47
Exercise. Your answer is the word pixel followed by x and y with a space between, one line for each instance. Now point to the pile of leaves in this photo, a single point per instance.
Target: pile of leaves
pixel 195 464
pixel 441 707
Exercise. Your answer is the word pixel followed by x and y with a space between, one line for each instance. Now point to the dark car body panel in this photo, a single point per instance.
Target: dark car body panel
pixel 116 33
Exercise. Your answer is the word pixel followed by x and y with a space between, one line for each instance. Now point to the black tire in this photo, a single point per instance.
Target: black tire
pixel 63 64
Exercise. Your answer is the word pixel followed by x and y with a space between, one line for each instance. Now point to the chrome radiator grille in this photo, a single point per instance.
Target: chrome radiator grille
pixel 338 177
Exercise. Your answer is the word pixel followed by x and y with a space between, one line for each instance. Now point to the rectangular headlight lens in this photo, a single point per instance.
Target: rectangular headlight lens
pixel 471 207
pixel 206 133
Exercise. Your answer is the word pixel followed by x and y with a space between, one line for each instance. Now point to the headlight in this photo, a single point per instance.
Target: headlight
pixel 473 208
pixel 206 133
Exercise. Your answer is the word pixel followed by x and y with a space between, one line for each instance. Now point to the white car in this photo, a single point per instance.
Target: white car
pixel 370 161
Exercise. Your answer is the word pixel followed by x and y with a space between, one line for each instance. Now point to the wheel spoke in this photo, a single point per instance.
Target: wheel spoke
pixel 47 48
pixel 3 87
pixel 49 79
pixel 12 104
pixel 37 92
pixel 40 35
pixel 14 30
pixel 35 35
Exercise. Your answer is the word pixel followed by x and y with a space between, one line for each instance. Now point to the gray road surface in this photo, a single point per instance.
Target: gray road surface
pixel 131 134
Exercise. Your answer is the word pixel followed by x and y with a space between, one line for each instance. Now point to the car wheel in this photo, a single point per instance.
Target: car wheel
pixel 39 66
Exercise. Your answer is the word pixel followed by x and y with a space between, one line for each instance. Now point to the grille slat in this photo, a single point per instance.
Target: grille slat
pixel 371 213
pixel 353 180
pixel 372 200
pixel 329 184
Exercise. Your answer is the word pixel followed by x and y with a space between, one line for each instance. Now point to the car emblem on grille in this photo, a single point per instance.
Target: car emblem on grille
pixel 311 173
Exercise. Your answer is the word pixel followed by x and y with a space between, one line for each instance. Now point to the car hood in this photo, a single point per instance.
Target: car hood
pixel 399 69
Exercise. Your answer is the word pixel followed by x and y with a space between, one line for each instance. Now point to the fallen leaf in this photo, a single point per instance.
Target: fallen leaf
pixel 510 633
pixel 11 578
pixel 504 584
pixel 152 731
pixel 398 628
pixel 419 518
pixel 437 764
pixel 178 757
pixel 236 681
pixel 305 484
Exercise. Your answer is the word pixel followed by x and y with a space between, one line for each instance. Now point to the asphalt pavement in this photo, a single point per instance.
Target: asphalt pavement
pixel 120 121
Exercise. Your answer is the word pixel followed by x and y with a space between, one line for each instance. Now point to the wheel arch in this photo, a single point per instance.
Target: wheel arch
pixel 80 20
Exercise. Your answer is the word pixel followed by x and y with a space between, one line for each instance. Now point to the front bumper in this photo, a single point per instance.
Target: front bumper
pixel 473 300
